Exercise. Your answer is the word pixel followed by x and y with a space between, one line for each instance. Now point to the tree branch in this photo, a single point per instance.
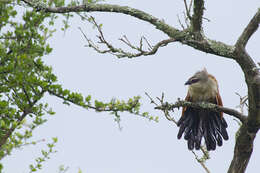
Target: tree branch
pixel 196 20
pixel 120 53
pixel 89 7
pixel 249 30
pixel 185 37
pixel 203 105
pixel 11 130
pixel 187 9
pixel 200 161
pixel 243 150
pixel 114 106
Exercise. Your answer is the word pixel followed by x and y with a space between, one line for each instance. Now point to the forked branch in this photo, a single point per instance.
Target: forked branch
pixel 188 8
pixel 119 52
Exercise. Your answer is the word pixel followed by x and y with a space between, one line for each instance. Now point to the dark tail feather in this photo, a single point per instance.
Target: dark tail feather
pixel 223 129
pixel 198 137
pixel 190 144
pixel 220 125
pixel 208 134
pixel 219 140
pixel 189 125
pixel 196 124
pixel 216 125
pixel 183 123
pixel 224 123
pixel 211 133
pixel 189 129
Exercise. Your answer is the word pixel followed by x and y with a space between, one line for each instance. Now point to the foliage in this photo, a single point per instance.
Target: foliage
pixel 45 155
pixel 25 79
pixel 23 75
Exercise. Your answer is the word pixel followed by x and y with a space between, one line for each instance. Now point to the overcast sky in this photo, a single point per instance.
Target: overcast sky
pixel 91 141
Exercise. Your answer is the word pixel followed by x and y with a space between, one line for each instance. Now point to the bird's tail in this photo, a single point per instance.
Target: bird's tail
pixel 196 124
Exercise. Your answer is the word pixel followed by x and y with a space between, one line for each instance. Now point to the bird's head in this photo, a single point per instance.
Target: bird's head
pixel 198 78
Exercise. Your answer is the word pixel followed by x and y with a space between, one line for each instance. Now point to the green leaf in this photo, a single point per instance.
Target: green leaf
pixel 2 123
pixel 55 139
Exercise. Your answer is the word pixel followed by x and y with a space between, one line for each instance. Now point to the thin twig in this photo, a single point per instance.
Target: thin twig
pixel 151 99
pixel 161 100
pixel 182 26
pixel 147 42
pixel 201 163
pixel 187 21
pixel 191 3
pixel 120 53
pixel 242 103
pixel 187 10
pixel 208 20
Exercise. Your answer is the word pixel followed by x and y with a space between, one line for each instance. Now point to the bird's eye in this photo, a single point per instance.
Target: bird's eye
pixel 194 80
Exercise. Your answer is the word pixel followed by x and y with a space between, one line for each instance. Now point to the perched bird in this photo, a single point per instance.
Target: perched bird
pixel 197 123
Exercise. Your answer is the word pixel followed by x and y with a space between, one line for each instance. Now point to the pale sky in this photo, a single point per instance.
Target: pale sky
pixel 91 141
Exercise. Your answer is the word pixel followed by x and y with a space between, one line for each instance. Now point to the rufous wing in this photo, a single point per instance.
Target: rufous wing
pixel 187 98
pixel 219 102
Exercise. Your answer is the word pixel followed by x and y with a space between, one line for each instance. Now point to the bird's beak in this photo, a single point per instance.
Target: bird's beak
pixel 191 80
pixel 188 82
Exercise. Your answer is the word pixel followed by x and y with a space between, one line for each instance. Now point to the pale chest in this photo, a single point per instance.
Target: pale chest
pixel 203 92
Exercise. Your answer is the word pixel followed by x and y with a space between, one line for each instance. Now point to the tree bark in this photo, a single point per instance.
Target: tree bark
pixel 243 150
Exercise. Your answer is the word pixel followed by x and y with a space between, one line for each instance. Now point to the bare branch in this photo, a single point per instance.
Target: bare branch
pixel 249 30
pixel 242 103
pixel 151 99
pixel 120 53
pixel 179 20
pixel 203 105
pixel 92 44
pixel 205 45
pixel 187 10
pixel 89 7
pixel 196 21
pixel 147 42
pixel 191 3
pixel 200 161
pixel 165 111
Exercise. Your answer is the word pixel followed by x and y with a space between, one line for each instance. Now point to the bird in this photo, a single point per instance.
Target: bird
pixel 197 123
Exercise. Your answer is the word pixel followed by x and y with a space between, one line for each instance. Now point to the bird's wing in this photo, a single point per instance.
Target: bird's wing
pixel 187 98
pixel 219 102
pixel 218 99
